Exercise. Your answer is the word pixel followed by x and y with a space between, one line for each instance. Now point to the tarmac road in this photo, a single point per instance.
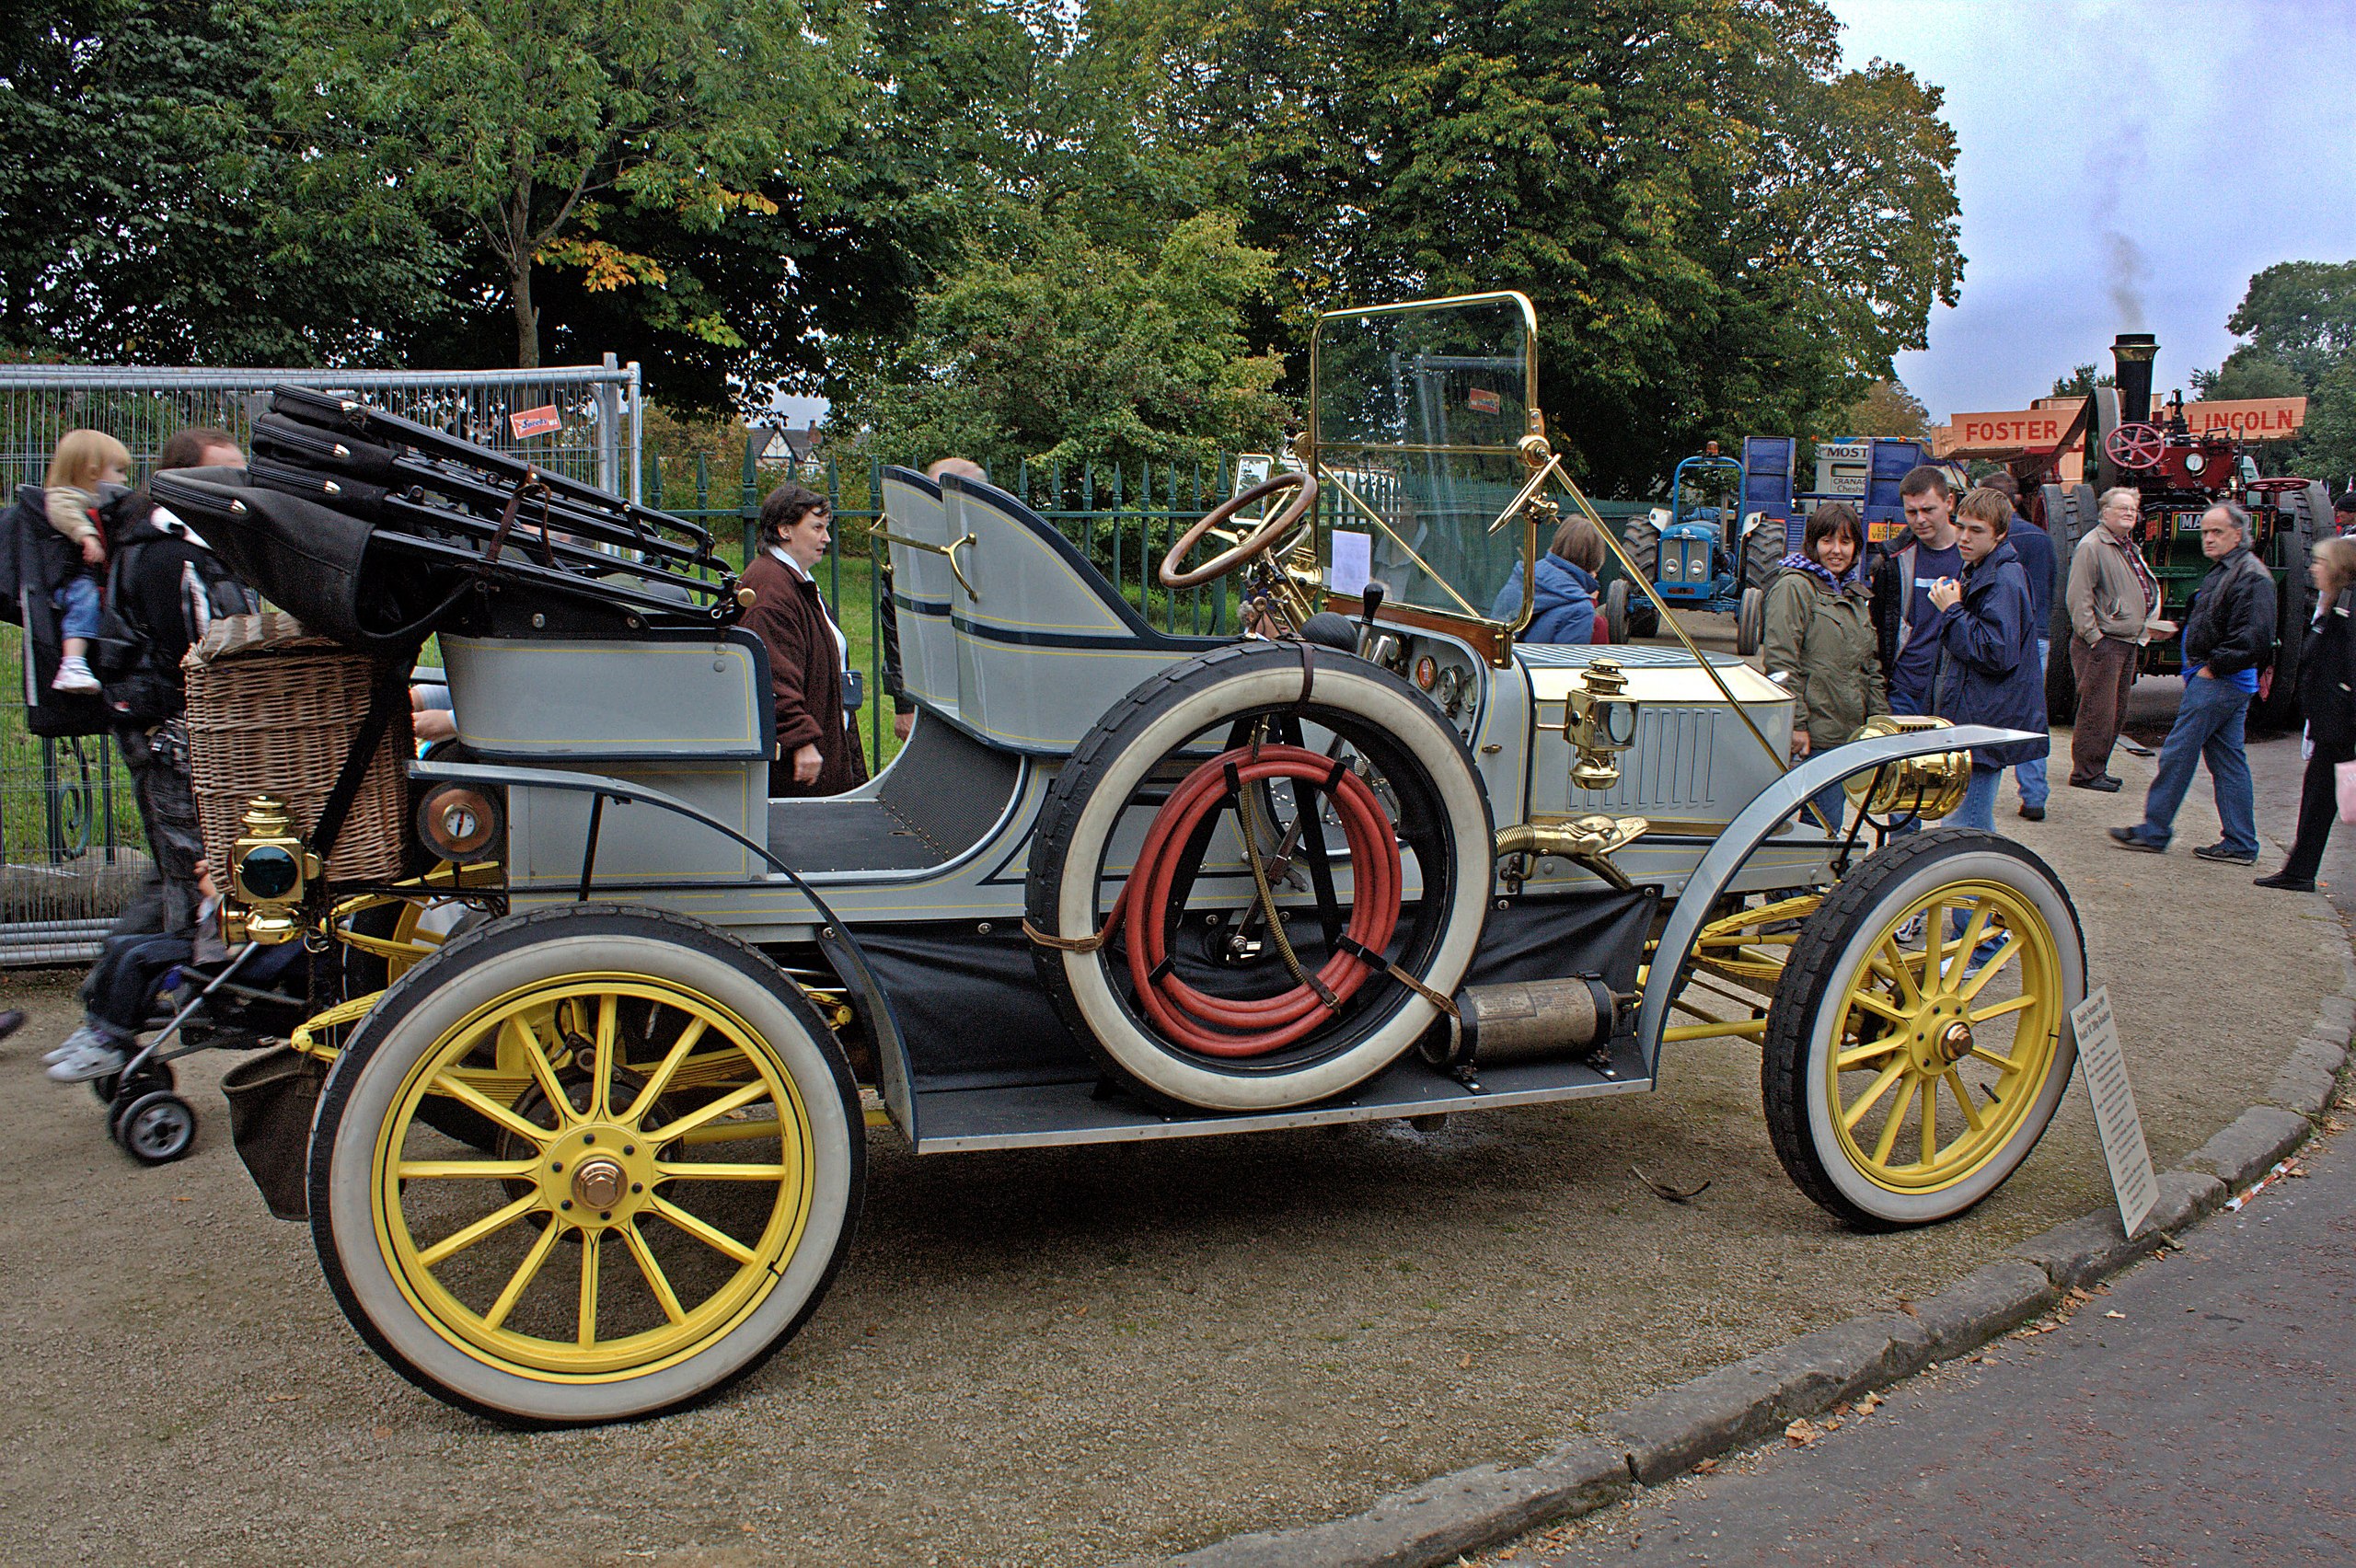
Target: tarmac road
pixel 1059 1356
pixel 2199 1413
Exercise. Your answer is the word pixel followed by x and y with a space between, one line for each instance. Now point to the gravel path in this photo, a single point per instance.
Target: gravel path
pixel 1069 1356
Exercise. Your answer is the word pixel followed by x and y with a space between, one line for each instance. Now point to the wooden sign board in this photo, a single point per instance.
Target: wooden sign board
pixel 2102 1067
pixel 2248 418
pixel 2013 431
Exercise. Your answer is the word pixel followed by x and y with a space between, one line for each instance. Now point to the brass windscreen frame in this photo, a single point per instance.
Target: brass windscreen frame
pixel 1311 446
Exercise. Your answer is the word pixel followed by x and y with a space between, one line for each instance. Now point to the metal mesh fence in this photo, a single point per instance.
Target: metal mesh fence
pixel 71 846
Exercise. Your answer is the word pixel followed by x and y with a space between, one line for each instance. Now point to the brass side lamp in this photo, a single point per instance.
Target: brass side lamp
pixel 268 869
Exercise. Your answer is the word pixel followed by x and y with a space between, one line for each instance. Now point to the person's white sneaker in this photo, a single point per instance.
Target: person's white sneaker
pixel 74 674
pixel 95 1060
pixel 74 1044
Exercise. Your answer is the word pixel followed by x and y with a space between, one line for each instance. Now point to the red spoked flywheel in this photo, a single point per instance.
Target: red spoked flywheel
pixel 1217 1026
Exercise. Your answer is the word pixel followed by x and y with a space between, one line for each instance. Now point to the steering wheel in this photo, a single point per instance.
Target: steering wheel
pixel 2136 445
pixel 1254 545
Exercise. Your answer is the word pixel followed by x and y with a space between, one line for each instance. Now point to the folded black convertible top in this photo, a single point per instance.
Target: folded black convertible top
pixel 376 531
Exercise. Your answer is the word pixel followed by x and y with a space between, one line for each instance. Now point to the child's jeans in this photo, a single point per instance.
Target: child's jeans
pixel 78 597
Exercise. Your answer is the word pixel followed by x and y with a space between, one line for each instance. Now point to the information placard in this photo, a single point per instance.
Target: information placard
pixel 1353 561
pixel 2102 1067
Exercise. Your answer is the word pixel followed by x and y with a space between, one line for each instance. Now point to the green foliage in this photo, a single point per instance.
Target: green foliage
pixel 2300 320
pixel 145 185
pixel 1069 351
pixel 1722 229
pixel 537 130
pixel 2248 372
pixel 2301 314
pixel 1887 409
pixel 2081 381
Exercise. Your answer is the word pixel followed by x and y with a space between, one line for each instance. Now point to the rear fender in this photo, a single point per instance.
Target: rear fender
pixel 1750 828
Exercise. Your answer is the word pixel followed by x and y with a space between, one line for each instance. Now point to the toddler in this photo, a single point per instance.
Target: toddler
pixel 85 460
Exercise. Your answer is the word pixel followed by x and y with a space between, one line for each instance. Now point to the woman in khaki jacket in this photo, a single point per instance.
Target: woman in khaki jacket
pixel 1820 639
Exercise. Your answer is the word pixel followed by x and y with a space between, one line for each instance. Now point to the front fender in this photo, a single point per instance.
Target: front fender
pixel 1750 828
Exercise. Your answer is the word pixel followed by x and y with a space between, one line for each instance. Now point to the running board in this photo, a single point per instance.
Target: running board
pixel 1044 1116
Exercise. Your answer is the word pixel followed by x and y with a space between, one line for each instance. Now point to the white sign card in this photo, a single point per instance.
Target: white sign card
pixel 2103 1067
pixel 1353 561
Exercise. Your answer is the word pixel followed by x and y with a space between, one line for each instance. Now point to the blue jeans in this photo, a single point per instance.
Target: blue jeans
pixel 1979 808
pixel 78 597
pixel 2030 775
pixel 2208 727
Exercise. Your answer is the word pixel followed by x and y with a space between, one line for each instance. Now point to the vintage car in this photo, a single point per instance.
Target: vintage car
pixel 602 1050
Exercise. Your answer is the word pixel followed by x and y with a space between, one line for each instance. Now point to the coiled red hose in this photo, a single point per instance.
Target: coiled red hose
pixel 1215 1026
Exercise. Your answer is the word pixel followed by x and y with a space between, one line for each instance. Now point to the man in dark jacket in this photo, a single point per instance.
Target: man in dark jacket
pixel 2227 636
pixel 1904 617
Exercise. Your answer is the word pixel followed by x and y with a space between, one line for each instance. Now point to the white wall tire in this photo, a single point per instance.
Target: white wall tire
pixel 1077 823
pixel 1868 1027
pixel 387 1200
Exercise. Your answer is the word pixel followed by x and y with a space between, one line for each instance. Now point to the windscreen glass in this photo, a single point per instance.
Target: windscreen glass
pixel 1419 411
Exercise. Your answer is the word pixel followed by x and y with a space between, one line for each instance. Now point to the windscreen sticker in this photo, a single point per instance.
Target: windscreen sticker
pixel 1484 401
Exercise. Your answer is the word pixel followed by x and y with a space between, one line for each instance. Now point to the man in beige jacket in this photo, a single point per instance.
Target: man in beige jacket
pixel 2113 597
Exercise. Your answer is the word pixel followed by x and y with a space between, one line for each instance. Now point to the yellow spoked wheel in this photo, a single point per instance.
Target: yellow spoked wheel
pixel 1918 1041
pixel 664 1203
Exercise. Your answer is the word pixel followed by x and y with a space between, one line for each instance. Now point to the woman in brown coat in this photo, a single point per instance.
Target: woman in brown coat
pixel 817 751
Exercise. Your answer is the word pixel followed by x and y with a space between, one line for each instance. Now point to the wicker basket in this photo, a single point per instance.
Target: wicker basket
pixel 272 711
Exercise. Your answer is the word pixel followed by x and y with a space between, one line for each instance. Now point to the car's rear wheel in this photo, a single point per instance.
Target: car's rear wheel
pixel 668 1201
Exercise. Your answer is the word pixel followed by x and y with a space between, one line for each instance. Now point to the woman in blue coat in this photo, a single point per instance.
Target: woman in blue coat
pixel 1987 671
pixel 1567 590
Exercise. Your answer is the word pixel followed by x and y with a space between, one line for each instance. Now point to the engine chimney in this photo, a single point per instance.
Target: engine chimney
pixel 2131 353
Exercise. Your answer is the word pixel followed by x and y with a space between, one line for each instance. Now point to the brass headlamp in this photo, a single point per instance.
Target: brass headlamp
pixel 1929 786
pixel 268 869
pixel 1599 721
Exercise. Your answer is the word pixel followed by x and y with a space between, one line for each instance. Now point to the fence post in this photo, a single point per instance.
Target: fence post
pixel 610 432
pixel 750 501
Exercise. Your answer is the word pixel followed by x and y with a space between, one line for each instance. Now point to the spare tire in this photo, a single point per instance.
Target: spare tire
pixel 1165 1027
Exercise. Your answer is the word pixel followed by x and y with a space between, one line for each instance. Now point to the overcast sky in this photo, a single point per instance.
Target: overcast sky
pixel 2121 166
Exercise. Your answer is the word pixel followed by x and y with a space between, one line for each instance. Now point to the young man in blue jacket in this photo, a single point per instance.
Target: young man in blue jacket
pixel 2035 547
pixel 2227 636
pixel 1986 672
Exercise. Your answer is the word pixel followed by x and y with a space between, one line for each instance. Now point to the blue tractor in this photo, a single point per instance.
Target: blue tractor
pixel 1708 549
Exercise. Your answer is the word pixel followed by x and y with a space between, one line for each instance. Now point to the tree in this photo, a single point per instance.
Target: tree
pixel 2248 372
pixel 546 131
pixel 2302 315
pixel 1721 228
pixel 1887 409
pixel 2081 381
pixel 144 184
pixel 1068 352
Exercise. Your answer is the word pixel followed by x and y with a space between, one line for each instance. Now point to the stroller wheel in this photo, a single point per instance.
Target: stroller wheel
pixel 115 1088
pixel 156 1128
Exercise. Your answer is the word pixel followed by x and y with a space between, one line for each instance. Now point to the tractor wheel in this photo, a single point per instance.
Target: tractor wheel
pixel 2307 519
pixel 1762 553
pixel 638 1258
pixel 2068 511
pixel 1641 539
pixel 1751 622
pixel 1615 609
pixel 1139 943
pixel 1918 1041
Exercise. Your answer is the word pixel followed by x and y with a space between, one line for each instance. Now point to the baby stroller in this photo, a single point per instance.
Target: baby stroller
pixel 256 994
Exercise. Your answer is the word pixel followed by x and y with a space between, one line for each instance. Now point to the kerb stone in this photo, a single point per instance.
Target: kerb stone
pixel 1439 1520
pixel 2244 1149
pixel 1674 1430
